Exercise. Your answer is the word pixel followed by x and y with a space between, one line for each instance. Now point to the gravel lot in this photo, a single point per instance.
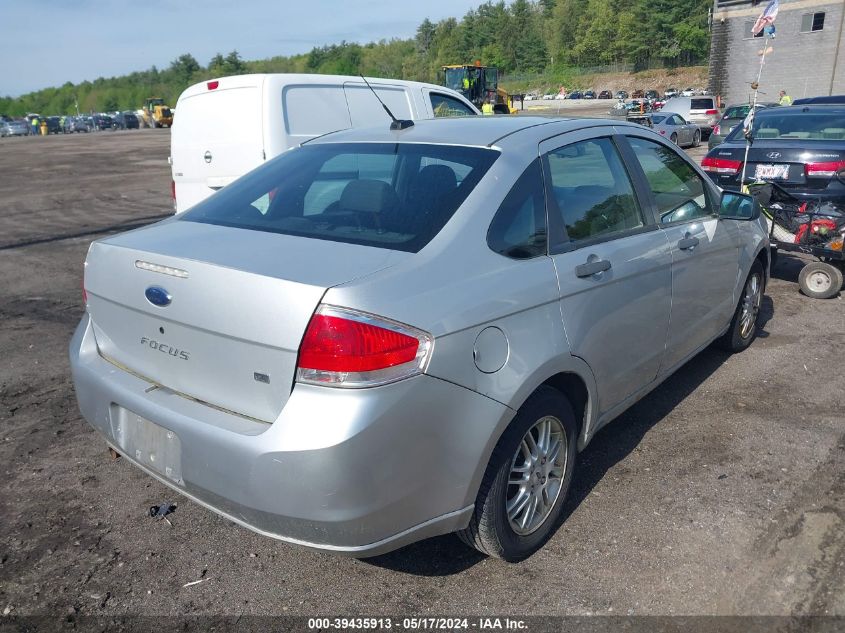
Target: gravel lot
pixel 721 493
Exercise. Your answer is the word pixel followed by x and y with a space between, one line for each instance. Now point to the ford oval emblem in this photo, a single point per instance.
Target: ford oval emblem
pixel 158 296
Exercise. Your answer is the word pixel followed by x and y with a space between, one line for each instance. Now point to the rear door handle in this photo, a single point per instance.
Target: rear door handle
pixel 592 268
pixel 688 243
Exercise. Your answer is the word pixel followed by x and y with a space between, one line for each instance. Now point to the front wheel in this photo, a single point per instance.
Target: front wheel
pixel 520 500
pixel 743 327
pixel 820 280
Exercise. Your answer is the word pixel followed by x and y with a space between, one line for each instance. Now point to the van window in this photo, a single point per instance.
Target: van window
pixel 444 105
pixel 366 111
pixel 311 110
pixel 387 195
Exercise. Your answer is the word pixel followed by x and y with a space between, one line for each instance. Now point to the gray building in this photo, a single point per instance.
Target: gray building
pixel 808 56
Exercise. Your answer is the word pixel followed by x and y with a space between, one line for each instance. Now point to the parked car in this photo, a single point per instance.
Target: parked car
pixel 125 121
pixel 377 338
pixel 549 96
pixel 102 122
pixel 78 124
pixel 688 92
pixel 209 151
pixel 676 129
pixel 621 95
pixel 671 92
pixel 605 94
pixel 830 99
pixel 652 95
pixel 575 94
pixel 734 115
pixel 14 127
pixel 589 94
pixel 54 125
pixel 703 111
pixel 801 148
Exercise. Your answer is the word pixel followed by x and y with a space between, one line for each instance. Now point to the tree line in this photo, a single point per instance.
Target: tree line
pixel 543 36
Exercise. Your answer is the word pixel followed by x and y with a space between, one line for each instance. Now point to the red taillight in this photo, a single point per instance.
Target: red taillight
pixel 711 112
pixel 212 85
pixel 721 165
pixel 346 348
pixel 717 130
pixel 827 169
pixel 663 132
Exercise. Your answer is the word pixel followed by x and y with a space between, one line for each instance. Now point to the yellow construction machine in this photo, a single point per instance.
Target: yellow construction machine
pixel 156 113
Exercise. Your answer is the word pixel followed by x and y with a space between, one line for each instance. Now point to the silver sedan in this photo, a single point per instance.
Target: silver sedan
pixel 385 335
pixel 674 127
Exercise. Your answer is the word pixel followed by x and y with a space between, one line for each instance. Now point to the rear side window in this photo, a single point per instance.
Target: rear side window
pixel 444 106
pixel 738 112
pixel 592 190
pixel 518 229
pixel 396 196
pixel 678 190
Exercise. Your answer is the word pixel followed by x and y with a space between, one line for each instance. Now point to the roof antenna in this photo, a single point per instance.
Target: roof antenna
pixel 398 124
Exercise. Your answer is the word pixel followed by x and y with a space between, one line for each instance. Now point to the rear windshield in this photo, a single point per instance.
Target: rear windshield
pixel 737 112
pixel 396 196
pixel 702 104
pixel 804 126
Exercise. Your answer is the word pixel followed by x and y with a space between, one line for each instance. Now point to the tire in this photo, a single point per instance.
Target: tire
pixel 743 328
pixel 696 138
pixel 820 280
pixel 490 530
pixel 674 138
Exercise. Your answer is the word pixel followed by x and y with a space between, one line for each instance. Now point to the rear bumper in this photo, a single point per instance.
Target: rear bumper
pixel 357 472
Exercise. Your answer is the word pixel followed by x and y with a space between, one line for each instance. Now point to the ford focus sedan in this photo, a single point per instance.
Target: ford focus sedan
pixel 383 336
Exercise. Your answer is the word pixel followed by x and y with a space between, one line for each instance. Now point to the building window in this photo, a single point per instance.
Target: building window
pixel 748 34
pixel 811 22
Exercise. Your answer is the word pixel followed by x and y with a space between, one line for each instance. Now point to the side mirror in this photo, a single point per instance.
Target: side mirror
pixel 738 206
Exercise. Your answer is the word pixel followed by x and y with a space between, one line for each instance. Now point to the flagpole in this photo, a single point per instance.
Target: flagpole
pixel 769 14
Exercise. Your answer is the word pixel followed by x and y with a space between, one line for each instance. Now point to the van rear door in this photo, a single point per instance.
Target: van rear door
pixel 216 138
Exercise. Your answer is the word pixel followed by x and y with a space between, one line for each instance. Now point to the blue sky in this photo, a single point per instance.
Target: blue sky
pixel 48 42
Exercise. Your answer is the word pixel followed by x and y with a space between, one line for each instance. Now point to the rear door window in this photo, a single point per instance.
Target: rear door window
pixel 592 191
pixel 518 229
pixel 388 195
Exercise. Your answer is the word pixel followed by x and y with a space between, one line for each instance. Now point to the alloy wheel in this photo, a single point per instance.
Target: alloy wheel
pixel 750 305
pixel 536 475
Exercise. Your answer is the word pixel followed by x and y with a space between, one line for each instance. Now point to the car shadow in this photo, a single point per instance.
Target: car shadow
pixel 788 267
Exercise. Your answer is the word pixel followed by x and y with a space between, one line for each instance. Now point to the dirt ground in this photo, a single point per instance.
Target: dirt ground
pixel 722 493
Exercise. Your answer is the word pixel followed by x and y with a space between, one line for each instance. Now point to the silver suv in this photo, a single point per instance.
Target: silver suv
pixel 703 111
pixel 387 335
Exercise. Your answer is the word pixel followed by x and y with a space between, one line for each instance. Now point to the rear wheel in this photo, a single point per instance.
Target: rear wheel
pixel 520 501
pixel 820 280
pixel 743 328
pixel 696 138
pixel 674 138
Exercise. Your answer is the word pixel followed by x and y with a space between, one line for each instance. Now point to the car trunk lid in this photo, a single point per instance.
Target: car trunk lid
pixel 239 304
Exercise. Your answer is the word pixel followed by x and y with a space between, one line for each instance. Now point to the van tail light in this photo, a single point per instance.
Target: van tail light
pixel 721 165
pixel 717 130
pixel 352 349
pixel 711 112
pixel 822 170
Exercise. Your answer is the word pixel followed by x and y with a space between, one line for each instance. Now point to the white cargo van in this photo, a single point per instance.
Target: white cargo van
pixel 228 126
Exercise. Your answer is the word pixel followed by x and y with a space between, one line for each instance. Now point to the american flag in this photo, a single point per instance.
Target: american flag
pixel 766 18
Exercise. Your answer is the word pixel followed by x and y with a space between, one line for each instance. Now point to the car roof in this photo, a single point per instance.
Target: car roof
pixel 478 131
pixel 802 109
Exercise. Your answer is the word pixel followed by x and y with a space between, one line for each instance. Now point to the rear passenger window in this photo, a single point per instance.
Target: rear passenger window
pixel 592 190
pixel 518 229
pixel 679 191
